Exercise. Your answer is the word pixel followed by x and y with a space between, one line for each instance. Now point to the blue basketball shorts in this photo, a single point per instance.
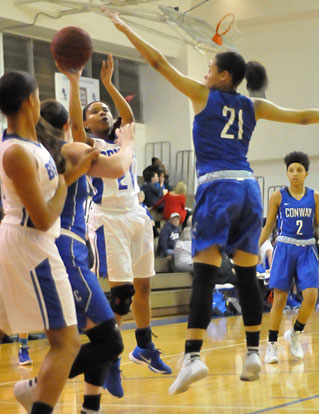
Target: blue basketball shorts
pixel 294 262
pixel 228 213
pixel 90 300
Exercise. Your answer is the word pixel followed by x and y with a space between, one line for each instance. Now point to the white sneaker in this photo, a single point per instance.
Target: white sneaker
pixel 271 353
pixel 24 393
pixel 251 368
pixel 87 411
pixel 193 369
pixel 292 337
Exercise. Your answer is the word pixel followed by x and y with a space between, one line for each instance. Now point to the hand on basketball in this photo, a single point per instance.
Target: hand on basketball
pixel 125 134
pixel 115 18
pixel 107 70
pixel 70 73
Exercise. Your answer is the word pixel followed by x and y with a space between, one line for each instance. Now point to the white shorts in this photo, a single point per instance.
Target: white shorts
pixel 123 244
pixel 35 292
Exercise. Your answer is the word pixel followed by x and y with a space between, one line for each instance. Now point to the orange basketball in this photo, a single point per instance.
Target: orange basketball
pixel 71 47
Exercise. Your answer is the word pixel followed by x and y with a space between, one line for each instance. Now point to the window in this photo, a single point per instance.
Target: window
pixel 16 53
pixel 44 69
pixel 125 78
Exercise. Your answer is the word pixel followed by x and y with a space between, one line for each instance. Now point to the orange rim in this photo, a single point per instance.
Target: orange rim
pixel 217 38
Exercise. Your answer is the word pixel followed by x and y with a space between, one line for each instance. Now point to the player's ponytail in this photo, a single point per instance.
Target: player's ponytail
pixel 256 76
pixel 49 138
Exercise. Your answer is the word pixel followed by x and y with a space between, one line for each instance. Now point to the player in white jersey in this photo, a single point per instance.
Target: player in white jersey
pixel 33 195
pixel 119 228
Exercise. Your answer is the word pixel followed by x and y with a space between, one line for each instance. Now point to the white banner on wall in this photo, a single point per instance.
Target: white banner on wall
pixel 89 90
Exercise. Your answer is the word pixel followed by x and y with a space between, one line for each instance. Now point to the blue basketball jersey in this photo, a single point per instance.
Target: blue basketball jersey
pixel 296 217
pixel 72 217
pixel 222 131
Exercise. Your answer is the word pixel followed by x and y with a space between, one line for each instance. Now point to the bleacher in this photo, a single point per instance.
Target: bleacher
pixel 170 293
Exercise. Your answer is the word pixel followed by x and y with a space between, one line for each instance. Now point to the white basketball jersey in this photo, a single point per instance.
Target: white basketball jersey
pixel 15 212
pixel 120 193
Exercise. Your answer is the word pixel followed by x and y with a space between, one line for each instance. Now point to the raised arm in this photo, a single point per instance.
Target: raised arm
pixel 267 110
pixel 274 204
pixel 122 106
pixel 194 90
pixel 20 166
pixel 75 109
pixel 106 167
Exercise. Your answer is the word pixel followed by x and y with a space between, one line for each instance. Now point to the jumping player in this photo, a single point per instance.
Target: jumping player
pixel 120 230
pixel 95 316
pixel 228 208
pixel 297 208
pixel 33 195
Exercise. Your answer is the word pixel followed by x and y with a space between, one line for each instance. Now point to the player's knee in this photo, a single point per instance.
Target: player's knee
pixel 107 336
pixel 310 297
pixel 249 295
pixel 280 299
pixel 121 298
pixel 201 300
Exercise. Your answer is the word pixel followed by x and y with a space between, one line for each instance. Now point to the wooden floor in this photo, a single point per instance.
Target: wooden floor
pixel 291 386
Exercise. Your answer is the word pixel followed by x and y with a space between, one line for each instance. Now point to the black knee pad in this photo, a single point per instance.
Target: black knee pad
pixel 249 293
pixel 104 347
pixel 204 281
pixel 107 334
pixel 121 298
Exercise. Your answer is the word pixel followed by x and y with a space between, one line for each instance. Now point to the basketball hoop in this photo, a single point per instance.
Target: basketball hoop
pixel 223 27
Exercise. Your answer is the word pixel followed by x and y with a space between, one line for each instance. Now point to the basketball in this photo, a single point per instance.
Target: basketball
pixel 71 47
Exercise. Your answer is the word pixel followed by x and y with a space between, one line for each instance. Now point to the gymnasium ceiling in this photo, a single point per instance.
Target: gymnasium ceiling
pixel 143 13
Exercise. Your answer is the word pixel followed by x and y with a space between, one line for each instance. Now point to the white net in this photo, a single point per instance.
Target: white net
pixel 200 31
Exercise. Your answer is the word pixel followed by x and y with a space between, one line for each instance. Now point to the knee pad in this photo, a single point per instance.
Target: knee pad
pixel 121 298
pixel 249 293
pixel 204 280
pixel 104 347
pixel 107 335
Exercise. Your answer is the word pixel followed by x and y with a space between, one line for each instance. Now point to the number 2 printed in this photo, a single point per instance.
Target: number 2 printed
pixel 123 186
pixel 230 112
pixel 299 224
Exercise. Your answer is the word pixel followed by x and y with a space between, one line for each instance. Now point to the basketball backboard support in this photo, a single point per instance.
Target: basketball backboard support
pixel 186 29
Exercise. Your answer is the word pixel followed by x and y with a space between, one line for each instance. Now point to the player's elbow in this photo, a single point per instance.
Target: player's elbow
pixel 42 224
pixel 158 63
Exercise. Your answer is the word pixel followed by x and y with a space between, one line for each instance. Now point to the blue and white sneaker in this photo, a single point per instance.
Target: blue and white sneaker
pixel 113 381
pixel 24 357
pixel 150 357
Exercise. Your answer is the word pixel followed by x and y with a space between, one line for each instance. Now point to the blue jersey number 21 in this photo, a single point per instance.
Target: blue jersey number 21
pixel 230 114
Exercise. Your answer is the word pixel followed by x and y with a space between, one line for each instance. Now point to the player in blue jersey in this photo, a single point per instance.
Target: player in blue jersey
pixel 295 256
pixel 35 293
pixel 120 231
pixel 228 208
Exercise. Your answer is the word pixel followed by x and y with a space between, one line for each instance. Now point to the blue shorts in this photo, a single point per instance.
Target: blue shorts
pixel 90 300
pixel 294 262
pixel 228 213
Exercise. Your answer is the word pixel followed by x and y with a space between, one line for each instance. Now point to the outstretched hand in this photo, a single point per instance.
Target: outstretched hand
pixel 115 18
pixel 125 134
pixel 107 70
pixel 70 73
